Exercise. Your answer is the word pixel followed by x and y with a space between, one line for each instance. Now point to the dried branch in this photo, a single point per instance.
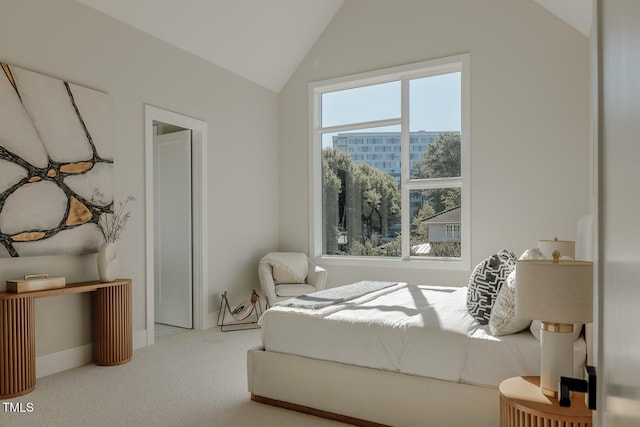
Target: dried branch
pixel 112 225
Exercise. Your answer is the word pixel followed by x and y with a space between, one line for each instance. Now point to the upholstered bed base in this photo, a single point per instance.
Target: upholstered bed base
pixel 366 397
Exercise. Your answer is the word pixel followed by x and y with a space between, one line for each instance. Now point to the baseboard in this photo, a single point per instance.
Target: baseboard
pixel 53 363
pixel 139 339
pixel 62 360
pixel 211 320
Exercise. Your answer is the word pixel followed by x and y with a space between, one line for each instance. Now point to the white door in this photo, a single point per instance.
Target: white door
pixel 172 229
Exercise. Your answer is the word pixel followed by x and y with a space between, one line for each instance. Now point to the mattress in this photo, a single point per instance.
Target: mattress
pixel 416 330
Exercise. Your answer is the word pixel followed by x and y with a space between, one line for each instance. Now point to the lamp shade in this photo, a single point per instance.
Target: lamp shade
pixel 555 291
pixel 565 247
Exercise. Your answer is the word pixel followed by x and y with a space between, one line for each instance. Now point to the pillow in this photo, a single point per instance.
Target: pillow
pixel 534 253
pixel 503 319
pixel 485 282
pixel 288 267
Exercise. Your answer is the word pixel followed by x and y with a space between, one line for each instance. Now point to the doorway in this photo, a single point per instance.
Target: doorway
pixel 173 284
pixel 176 247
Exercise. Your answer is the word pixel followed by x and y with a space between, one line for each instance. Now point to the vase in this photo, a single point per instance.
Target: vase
pixel 108 262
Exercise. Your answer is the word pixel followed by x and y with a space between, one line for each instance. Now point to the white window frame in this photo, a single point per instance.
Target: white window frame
pixel 457 63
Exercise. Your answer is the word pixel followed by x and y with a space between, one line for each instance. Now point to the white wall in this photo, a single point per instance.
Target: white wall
pixel 67 40
pixel 529 116
pixel 619 355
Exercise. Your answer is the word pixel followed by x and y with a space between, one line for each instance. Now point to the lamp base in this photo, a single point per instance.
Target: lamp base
pixel 556 355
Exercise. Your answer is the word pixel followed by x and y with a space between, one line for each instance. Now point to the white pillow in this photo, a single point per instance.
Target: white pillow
pixel 534 253
pixel 503 320
pixel 288 267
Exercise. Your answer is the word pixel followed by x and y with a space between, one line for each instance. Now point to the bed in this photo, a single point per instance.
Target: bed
pixel 401 355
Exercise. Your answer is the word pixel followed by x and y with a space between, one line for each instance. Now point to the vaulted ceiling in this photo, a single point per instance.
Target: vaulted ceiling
pixel 577 13
pixel 269 37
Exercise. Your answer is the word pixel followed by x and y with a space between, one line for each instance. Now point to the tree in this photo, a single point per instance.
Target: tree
pixel 446 249
pixel 421 231
pixel 380 199
pixel 336 167
pixel 442 160
pixel 358 200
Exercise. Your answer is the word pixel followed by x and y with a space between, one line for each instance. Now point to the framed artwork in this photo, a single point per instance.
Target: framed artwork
pixel 56 164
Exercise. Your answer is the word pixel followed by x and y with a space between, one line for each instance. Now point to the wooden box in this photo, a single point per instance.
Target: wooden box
pixel 35 282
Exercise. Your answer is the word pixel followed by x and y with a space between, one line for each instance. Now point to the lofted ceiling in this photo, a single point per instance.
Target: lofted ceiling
pixel 261 40
pixel 269 37
pixel 577 13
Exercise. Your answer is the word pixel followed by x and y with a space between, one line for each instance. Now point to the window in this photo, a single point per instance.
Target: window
pixel 361 208
pixel 452 232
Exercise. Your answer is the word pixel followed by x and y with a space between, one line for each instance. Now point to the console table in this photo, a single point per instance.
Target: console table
pixel 112 331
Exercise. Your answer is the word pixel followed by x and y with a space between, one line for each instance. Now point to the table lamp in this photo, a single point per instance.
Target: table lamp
pixel 567 248
pixel 559 293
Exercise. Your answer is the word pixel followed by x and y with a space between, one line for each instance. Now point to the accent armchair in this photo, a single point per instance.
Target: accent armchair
pixel 285 275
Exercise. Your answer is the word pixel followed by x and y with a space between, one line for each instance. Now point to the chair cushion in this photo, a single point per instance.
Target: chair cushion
pixel 293 289
pixel 288 267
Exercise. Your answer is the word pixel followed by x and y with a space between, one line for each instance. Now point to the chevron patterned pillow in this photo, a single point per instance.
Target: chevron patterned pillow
pixel 485 282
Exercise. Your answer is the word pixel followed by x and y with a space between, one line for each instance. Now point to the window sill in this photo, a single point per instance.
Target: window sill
pixel 453 264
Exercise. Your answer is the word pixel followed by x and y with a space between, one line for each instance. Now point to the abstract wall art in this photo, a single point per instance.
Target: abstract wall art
pixel 56 155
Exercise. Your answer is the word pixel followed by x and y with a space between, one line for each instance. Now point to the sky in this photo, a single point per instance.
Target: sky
pixel 434 105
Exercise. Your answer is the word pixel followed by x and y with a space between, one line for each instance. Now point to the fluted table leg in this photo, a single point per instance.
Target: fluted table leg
pixel 113 336
pixel 17 347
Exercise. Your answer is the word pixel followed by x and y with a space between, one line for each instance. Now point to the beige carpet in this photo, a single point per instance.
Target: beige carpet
pixel 197 378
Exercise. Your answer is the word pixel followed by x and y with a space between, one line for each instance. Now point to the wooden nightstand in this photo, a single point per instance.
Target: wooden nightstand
pixel 522 404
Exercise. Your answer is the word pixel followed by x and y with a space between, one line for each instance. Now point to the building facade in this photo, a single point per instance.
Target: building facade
pixel 381 150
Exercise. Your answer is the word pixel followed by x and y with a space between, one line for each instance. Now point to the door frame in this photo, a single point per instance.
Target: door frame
pixel 199 211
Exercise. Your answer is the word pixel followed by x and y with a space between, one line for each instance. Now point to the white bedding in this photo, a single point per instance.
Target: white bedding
pixel 416 330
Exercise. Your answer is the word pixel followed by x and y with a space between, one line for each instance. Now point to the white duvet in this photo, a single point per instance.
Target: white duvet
pixel 416 330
